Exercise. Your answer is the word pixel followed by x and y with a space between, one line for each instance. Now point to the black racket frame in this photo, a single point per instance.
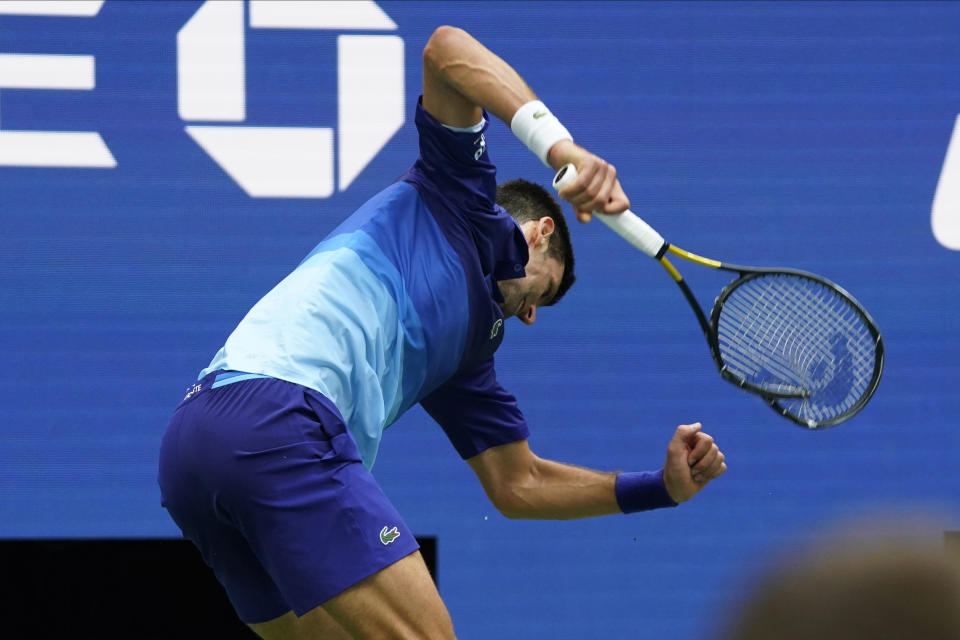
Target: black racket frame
pixel 709 328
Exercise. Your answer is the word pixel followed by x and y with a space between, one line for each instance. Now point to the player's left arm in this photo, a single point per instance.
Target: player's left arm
pixel 523 485
pixel 461 78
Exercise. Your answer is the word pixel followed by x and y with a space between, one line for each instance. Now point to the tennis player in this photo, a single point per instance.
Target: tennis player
pixel 265 464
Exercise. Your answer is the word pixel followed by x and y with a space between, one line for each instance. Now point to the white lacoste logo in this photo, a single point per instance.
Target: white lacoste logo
pixel 495 329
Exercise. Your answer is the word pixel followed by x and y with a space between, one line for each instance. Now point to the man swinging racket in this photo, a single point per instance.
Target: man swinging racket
pixel 265 465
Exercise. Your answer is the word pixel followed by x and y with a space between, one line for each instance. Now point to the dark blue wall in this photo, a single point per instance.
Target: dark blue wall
pixel 803 134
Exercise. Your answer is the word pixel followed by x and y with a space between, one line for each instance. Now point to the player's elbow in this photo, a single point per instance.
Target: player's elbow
pixel 444 40
pixel 511 500
pixel 510 507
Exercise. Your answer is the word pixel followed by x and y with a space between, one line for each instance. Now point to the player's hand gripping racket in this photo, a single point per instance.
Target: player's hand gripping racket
pixel 796 339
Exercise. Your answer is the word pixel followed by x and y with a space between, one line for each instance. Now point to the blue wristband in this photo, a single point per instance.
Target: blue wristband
pixel 642 491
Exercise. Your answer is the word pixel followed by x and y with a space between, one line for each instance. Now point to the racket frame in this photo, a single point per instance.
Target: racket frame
pixel 709 327
pixel 641 235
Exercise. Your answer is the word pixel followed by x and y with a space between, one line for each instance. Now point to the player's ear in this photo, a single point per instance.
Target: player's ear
pixel 545 226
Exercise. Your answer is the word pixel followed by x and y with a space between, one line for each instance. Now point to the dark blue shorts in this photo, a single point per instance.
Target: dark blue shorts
pixel 264 477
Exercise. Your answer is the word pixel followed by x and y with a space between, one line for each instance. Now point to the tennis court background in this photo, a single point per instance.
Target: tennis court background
pixel 805 134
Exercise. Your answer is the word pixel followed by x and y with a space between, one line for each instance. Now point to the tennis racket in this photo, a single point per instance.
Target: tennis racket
pixel 799 341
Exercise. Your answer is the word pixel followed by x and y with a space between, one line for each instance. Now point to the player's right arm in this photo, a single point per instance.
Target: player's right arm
pixel 461 78
pixel 523 485
pixel 488 430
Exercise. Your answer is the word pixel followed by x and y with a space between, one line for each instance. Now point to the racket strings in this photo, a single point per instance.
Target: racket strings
pixel 795 362
pixel 778 338
pixel 786 332
pixel 821 370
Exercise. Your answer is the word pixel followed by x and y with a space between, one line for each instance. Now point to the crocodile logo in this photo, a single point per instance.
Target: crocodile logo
pixel 386 537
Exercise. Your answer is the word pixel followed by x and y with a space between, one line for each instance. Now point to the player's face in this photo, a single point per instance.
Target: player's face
pixel 522 296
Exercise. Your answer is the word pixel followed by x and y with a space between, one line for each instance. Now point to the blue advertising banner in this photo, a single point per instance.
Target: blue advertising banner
pixel 164 164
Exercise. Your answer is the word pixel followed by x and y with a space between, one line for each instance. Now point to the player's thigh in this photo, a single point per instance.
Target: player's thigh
pixel 400 601
pixel 314 625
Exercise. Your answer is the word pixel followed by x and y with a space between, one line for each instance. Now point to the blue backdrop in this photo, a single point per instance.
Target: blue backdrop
pixel 810 135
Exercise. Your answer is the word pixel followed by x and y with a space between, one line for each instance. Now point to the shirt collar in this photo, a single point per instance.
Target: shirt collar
pixel 505 254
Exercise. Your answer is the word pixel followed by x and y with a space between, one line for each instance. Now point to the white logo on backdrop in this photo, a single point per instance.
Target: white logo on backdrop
pixel 49 71
pixel 290 162
pixel 945 218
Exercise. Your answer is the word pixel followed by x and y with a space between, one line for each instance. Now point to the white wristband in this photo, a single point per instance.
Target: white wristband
pixel 538 128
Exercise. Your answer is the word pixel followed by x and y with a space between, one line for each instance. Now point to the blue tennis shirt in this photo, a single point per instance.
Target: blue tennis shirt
pixel 398 305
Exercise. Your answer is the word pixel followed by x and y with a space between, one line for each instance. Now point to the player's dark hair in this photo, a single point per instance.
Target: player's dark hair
pixel 526 200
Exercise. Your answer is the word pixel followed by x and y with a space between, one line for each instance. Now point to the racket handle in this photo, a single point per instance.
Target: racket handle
pixel 633 229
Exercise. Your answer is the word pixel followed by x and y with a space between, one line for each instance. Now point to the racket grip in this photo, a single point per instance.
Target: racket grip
pixel 628 224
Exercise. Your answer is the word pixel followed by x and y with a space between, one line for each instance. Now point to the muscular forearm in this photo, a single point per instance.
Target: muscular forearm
pixel 522 485
pixel 554 491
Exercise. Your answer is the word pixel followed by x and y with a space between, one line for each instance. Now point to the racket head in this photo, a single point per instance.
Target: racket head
pixel 798 340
